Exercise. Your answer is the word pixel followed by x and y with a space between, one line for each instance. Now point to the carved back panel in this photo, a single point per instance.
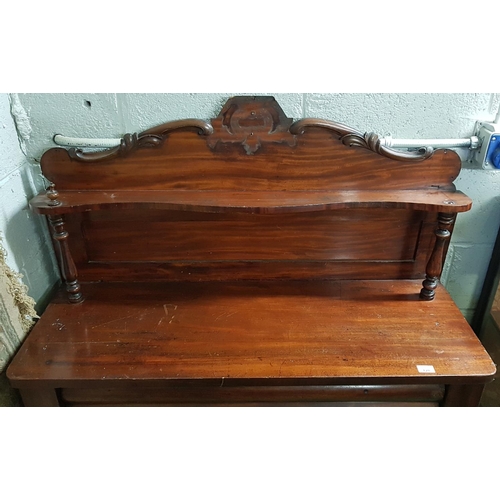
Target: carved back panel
pixel 124 226
pixel 250 146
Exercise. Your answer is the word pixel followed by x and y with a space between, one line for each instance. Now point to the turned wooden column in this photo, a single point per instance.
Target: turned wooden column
pixel 66 263
pixel 436 262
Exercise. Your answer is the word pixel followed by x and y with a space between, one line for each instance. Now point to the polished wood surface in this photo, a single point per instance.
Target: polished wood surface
pixel 187 163
pixel 436 261
pixel 307 332
pixel 324 236
pixel 67 265
pixel 254 202
pixel 251 260
pixel 109 245
pixel 251 146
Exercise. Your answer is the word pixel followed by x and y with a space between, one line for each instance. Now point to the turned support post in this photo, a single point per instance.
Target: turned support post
pixel 66 263
pixel 436 261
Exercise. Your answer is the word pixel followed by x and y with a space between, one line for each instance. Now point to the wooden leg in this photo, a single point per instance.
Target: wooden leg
pixel 38 396
pixel 435 264
pixel 463 395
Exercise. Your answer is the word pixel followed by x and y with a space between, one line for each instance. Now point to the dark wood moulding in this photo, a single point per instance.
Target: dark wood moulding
pixel 253 201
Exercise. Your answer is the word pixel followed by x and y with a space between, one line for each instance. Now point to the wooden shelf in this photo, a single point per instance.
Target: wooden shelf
pixel 271 202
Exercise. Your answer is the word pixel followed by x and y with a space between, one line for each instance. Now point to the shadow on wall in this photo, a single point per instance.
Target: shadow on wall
pixel 30 243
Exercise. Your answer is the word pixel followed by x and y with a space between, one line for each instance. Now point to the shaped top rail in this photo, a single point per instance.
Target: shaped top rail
pixel 251 158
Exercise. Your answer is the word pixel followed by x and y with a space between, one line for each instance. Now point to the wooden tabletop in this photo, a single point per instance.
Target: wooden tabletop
pixel 319 331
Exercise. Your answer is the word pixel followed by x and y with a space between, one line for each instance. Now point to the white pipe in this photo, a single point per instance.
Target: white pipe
pixel 76 142
pixel 471 143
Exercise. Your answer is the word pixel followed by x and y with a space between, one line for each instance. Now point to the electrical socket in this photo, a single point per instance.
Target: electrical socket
pixel 487 155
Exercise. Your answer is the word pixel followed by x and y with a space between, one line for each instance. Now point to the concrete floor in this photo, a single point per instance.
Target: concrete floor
pixel 490 337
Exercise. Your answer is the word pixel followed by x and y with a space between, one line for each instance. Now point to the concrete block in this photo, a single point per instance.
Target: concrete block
pixel 465 274
pixel 25 236
pixel 11 157
pixel 74 115
pixel 479 225
pixel 404 116
pixel 447 265
pixel 143 111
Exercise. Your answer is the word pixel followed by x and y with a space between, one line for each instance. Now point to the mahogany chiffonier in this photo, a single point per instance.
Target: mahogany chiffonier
pixel 251 260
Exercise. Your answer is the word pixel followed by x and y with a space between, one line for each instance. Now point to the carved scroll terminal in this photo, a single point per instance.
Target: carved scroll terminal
pixel 352 138
pixel 150 138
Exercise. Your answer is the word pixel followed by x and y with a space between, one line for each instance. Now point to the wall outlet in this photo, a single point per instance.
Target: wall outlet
pixel 487 156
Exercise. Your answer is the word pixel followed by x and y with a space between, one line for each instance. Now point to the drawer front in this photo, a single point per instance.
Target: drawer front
pixel 253 395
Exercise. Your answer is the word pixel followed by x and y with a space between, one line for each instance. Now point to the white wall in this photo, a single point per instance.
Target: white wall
pixel 24 235
pixel 40 116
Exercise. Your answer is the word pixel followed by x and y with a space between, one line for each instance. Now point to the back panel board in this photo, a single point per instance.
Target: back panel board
pixel 162 244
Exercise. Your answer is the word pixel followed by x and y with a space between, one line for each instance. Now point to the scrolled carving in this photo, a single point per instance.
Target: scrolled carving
pixel 299 127
pixel 150 138
pixel 251 122
pixel 128 143
pixel 151 141
pixel 352 138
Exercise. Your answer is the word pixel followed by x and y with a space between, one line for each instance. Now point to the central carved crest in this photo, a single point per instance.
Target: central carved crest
pixel 251 122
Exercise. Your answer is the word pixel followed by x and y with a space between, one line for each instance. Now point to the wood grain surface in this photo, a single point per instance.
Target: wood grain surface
pixel 185 162
pixel 110 245
pixel 256 202
pixel 352 332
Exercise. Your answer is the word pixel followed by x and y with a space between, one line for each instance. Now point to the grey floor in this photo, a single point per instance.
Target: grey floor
pixel 490 337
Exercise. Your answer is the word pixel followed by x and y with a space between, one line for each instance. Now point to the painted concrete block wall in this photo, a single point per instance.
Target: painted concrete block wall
pixel 24 235
pixel 40 116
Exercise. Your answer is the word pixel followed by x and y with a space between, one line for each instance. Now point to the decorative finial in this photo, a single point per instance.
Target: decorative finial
pixel 52 195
